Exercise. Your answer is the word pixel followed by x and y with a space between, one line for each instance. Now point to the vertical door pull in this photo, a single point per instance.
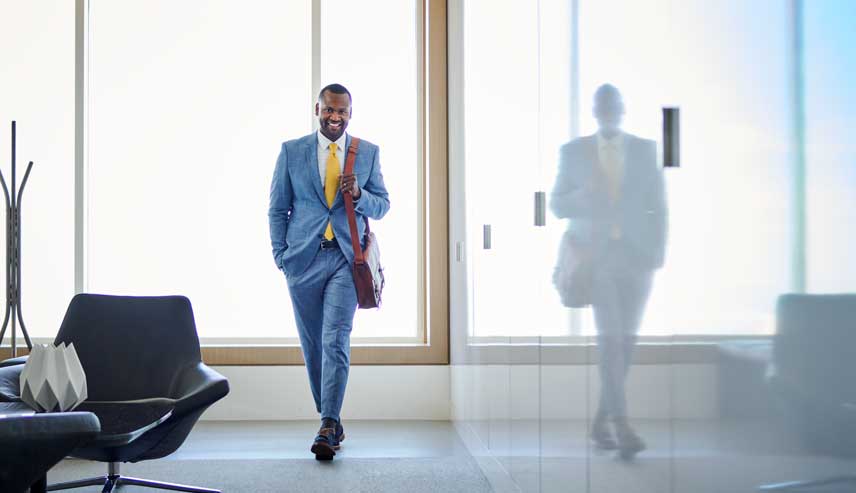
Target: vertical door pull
pixel 671 138
pixel 540 208
pixel 486 237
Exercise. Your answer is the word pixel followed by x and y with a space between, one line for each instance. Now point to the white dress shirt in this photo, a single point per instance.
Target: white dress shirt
pixel 324 153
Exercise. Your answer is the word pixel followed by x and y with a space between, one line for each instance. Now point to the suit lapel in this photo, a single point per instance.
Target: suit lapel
pixel 312 167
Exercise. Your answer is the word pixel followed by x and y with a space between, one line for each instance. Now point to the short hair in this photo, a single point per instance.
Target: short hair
pixel 607 92
pixel 335 89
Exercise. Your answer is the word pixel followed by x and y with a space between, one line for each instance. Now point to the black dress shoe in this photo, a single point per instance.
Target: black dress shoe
pixel 602 439
pixel 325 444
pixel 340 436
pixel 629 444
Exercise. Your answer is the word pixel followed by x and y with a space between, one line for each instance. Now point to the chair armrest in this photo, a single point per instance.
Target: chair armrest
pixel 48 426
pixel 197 387
pixel 20 360
pixel 10 383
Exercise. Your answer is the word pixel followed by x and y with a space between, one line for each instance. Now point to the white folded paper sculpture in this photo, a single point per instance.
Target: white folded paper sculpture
pixel 53 379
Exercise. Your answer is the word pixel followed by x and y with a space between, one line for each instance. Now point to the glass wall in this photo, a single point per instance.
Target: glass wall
pixel 656 329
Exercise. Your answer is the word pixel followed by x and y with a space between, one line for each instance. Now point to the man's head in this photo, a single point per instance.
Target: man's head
pixel 608 109
pixel 333 110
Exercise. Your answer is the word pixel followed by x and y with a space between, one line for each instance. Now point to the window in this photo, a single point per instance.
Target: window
pixel 185 130
pixel 359 42
pixel 829 80
pixel 38 75
pixel 180 115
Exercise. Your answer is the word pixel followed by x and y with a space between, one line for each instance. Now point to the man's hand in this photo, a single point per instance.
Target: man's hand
pixel 348 183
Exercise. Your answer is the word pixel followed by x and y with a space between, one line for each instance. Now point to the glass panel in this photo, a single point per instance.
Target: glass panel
pixel 38 92
pixel 499 403
pixel 502 169
pixel 766 398
pixel 386 111
pixel 188 111
pixel 734 137
pixel 813 351
pixel 525 401
pixel 730 229
pixel 565 407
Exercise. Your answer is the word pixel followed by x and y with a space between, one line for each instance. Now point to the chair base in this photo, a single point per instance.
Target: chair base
pixel 802 485
pixel 113 479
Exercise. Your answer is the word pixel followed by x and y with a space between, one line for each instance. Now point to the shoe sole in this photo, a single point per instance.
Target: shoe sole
pixel 323 451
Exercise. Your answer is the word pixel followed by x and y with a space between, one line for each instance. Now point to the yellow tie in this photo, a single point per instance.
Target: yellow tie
pixel 331 181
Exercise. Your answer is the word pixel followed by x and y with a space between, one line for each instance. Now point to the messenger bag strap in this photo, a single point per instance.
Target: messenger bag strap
pixel 349 203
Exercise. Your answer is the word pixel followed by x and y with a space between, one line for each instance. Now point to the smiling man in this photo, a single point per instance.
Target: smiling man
pixel 312 246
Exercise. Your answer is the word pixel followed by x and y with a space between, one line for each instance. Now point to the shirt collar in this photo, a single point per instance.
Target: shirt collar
pixel 616 142
pixel 324 142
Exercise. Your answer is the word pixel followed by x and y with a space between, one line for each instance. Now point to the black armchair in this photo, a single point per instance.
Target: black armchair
pixel 139 351
pixel 32 444
pixel 814 366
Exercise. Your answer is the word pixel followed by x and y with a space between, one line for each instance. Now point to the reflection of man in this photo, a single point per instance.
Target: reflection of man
pixel 611 189
pixel 311 243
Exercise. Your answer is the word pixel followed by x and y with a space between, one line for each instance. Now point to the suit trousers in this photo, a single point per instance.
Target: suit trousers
pixel 619 295
pixel 325 301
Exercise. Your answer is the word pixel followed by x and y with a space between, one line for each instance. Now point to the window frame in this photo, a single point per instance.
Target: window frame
pixel 431 344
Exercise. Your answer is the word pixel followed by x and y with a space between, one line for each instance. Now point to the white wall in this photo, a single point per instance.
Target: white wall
pixel 374 392
pixel 501 391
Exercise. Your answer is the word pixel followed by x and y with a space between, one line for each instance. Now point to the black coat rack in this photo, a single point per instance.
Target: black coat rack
pixel 13 253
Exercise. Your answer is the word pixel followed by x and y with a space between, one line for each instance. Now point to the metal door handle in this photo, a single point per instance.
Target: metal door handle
pixel 540 208
pixel 671 137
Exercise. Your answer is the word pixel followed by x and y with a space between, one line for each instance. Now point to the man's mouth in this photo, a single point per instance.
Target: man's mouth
pixel 334 126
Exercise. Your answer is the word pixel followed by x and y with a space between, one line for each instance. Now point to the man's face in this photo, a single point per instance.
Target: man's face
pixel 609 112
pixel 333 112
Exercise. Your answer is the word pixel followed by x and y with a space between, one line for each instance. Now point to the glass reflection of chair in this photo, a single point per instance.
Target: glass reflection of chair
pixel 814 363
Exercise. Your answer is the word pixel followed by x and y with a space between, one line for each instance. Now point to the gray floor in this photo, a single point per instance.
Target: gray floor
pixel 291 440
pixel 682 457
pixel 274 457
pixel 416 456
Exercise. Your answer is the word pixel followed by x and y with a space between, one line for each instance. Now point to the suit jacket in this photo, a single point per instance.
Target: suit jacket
pixel 580 194
pixel 298 212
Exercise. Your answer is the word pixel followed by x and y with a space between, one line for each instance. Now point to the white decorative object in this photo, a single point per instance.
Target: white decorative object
pixel 53 378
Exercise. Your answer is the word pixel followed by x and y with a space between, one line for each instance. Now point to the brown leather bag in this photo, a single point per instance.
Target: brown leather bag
pixel 573 275
pixel 368 273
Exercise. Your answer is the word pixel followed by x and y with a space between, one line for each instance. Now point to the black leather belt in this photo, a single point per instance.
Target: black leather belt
pixel 325 244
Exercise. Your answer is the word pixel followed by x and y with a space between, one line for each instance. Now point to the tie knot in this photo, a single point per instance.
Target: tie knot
pixel 333 147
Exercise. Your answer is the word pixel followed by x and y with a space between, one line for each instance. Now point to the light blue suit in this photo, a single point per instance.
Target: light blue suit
pixel 319 280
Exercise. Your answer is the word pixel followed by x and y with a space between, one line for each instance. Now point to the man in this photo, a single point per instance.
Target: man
pixel 311 244
pixel 611 189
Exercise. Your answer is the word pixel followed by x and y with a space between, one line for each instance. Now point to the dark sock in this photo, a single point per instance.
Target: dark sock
pixel 328 423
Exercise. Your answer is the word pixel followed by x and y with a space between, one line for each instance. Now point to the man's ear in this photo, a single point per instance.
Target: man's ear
pixel 316 109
